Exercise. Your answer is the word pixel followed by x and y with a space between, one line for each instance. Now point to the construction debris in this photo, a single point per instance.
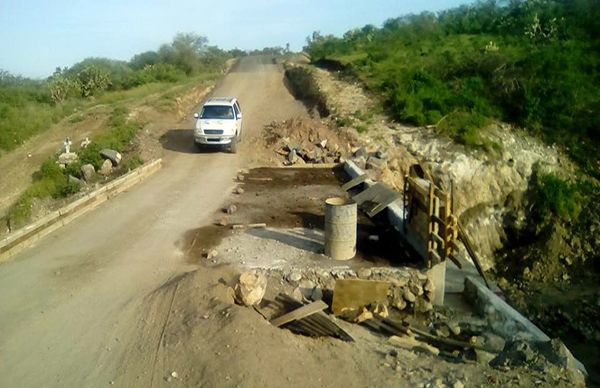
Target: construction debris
pixel 309 319
pixel 409 342
pixel 249 226
pixel 251 288
pixel 300 141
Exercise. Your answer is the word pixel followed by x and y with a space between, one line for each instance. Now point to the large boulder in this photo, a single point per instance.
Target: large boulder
pixel 106 168
pixel 87 172
pixel 112 155
pixel 251 288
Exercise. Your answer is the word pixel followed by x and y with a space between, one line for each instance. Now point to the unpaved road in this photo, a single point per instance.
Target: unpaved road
pixel 68 305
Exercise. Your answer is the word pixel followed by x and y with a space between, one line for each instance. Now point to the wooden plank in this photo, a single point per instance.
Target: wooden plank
pixel 462 235
pixel 354 182
pixel 299 313
pixel 353 294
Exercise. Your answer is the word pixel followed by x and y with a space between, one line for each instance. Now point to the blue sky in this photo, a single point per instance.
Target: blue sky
pixel 36 36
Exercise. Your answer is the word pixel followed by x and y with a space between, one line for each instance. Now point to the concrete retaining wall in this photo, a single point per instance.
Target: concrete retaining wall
pixel 28 235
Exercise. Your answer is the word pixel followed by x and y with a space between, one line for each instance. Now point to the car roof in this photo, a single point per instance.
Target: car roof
pixel 220 101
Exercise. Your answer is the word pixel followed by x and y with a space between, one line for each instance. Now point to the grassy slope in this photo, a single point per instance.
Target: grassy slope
pixel 533 63
pixel 52 182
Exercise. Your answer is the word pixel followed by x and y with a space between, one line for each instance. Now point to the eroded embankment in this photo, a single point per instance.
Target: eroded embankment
pixel 495 200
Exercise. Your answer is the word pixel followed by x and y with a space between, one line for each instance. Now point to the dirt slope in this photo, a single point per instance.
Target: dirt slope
pixel 69 305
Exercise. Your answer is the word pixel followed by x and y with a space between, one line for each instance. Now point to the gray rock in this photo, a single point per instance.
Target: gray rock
pixel 375 163
pixel 87 172
pixel 68 158
pixel 364 273
pixel 74 180
pixel 294 277
pixel 423 306
pixel 454 327
pixel 112 155
pixel 361 153
pixel 317 294
pixel 106 168
pixel 409 296
pixel 380 154
pixel 360 162
pixel 306 287
pixel 494 342
pixel 231 209
pixel 292 157
pixel 484 357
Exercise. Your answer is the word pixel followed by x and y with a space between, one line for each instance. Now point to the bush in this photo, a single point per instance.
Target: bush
pixel 464 127
pixel 555 198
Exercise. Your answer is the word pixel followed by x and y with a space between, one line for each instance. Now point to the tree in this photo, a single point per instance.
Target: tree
pixel 144 59
pixel 184 52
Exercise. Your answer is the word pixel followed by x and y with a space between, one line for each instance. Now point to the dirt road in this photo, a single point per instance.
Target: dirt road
pixel 68 305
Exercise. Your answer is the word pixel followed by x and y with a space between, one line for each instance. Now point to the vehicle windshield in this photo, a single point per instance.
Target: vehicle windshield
pixel 217 112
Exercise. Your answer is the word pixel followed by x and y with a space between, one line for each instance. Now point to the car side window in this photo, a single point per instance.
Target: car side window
pixel 237 109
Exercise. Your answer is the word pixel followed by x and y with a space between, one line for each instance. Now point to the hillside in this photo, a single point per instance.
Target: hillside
pixel 531 63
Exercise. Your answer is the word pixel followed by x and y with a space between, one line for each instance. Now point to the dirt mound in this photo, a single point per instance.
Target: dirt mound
pixel 301 141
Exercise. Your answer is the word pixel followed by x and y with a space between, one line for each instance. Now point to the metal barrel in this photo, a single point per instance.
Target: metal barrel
pixel 340 228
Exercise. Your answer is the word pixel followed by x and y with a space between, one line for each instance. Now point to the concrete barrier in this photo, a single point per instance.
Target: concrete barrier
pixel 29 234
pixel 505 319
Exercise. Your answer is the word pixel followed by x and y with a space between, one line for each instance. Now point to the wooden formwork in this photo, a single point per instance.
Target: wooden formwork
pixel 426 203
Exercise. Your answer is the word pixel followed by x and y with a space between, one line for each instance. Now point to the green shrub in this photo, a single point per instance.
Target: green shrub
pixel 555 198
pixel 464 127
pixel 344 121
pixel 132 163
pixel 361 128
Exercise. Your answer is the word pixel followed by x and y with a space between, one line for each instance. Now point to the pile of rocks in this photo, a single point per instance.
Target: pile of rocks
pixel 374 162
pixel 301 141
pixel 410 289
pixel 88 172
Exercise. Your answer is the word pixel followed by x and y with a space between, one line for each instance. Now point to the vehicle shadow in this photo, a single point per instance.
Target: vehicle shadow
pixel 182 140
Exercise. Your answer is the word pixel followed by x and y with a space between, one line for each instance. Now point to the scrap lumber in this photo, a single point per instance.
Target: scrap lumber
pixel 243 226
pixel 314 324
pixel 300 313
pixel 352 294
pixel 410 343
pixel 392 327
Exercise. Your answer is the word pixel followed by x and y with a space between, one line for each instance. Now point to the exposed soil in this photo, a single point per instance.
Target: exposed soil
pixel 289 198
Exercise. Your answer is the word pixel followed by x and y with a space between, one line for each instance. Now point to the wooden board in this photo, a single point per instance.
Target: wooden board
pixel 300 313
pixel 356 293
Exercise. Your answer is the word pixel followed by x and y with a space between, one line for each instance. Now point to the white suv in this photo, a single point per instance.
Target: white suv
pixel 219 123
